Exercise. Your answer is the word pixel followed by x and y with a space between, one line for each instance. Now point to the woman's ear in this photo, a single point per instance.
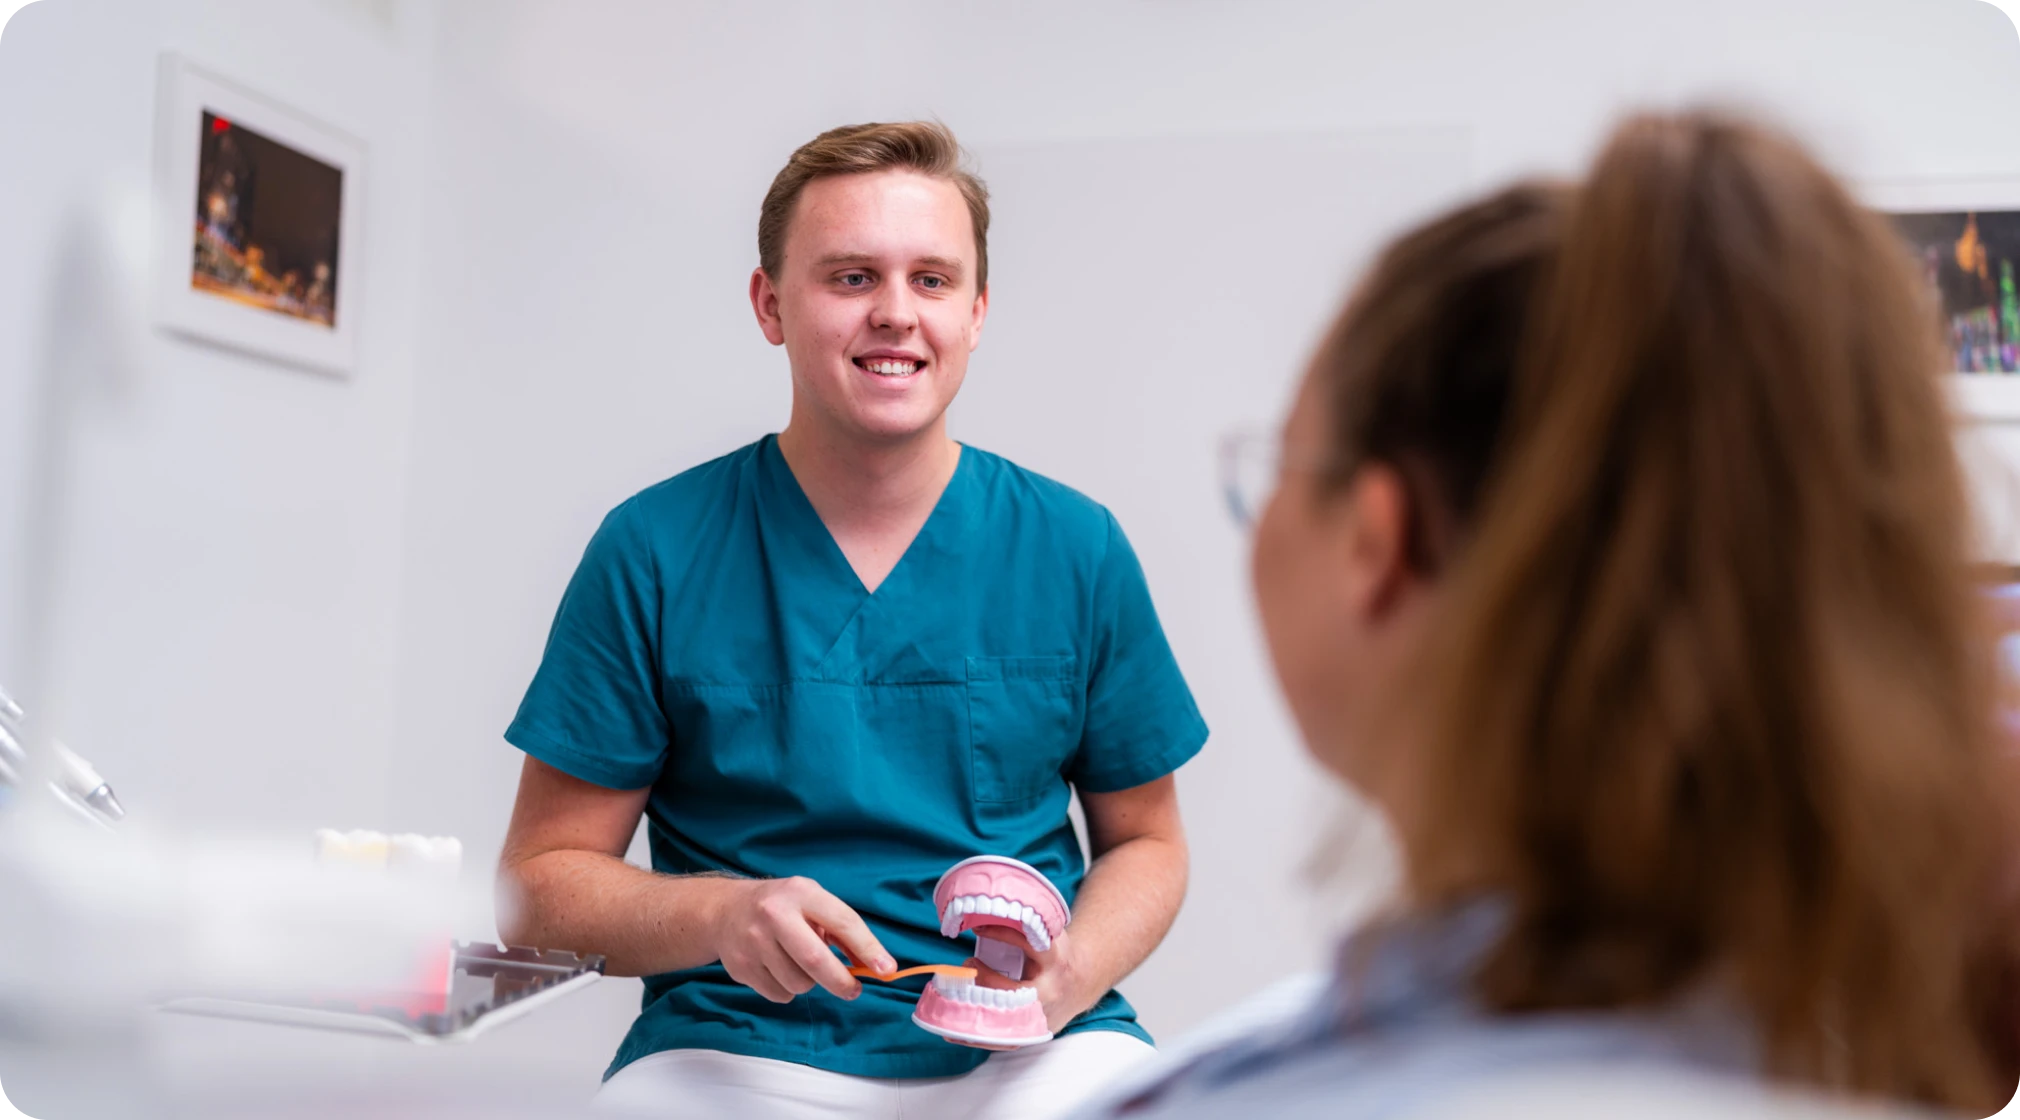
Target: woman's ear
pixel 1376 538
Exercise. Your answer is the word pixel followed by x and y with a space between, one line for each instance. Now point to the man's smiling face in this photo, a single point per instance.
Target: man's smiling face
pixel 876 302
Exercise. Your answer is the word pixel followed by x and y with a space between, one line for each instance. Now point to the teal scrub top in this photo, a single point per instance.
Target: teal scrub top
pixel 715 645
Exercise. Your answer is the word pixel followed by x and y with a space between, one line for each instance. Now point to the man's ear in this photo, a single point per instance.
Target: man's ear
pixel 764 300
pixel 981 314
pixel 1377 528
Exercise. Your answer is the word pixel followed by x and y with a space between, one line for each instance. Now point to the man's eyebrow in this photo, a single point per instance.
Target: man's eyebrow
pixel 947 264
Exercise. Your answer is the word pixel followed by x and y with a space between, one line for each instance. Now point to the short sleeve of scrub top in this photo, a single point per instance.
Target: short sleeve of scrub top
pixel 716 646
pixel 593 711
pixel 1133 683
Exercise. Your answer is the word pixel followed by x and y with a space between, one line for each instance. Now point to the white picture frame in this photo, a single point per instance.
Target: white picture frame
pixel 1980 397
pixel 218 291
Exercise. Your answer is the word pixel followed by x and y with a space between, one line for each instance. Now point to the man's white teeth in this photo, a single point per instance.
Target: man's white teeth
pixel 958 908
pixel 892 369
pixel 1001 999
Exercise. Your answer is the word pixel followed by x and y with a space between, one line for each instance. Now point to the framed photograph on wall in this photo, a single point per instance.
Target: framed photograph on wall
pixel 1965 235
pixel 256 217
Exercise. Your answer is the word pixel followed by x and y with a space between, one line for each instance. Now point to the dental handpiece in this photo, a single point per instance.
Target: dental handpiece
pixel 81 781
pixel 13 759
pixel 76 779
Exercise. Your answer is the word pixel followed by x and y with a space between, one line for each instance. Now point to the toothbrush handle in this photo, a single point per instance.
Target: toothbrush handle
pixel 956 971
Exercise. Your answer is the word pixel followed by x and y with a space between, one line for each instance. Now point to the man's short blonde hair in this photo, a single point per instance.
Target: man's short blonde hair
pixel 927 147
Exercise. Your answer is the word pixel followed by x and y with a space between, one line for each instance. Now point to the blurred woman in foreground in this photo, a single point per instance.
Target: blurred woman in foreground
pixel 1620 553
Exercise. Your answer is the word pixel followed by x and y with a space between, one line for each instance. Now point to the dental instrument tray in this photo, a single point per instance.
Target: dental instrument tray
pixel 486 985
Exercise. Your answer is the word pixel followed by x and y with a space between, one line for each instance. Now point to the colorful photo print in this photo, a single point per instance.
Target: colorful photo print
pixel 267 219
pixel 1968 259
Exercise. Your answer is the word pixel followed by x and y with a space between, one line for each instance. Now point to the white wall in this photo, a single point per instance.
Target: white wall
pixel 200 553
pixel 597 175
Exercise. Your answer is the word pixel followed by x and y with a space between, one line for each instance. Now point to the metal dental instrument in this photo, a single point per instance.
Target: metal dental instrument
pixel 77 779
pixel 10 747
pixel 13 759
pixel 77 782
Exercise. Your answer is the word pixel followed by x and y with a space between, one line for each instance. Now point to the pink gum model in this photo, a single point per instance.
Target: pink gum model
pixel 1000 891
pixel 993 891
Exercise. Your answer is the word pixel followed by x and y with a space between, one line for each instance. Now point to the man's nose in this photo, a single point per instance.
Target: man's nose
pixel 894 309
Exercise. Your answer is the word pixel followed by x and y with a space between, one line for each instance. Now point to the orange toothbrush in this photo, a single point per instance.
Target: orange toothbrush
pixel 953 971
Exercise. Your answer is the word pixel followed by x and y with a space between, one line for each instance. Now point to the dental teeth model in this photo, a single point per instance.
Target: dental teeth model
pixel 414 857
pixel 993 891
pixel 403 852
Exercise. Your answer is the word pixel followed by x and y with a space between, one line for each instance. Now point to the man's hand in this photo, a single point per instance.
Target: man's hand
pixel 1063 989
pixel 773 936
pixel 564 885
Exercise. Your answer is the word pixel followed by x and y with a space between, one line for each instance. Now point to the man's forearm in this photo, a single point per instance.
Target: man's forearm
pixel 642 922
pixel 1126 905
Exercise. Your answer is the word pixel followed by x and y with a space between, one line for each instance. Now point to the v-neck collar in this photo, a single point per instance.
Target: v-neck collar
pixel 819 545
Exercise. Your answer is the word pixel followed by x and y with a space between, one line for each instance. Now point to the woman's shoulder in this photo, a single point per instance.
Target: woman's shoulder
pixel 1604 1090
pixel 1457 1066
pixel 1393 1029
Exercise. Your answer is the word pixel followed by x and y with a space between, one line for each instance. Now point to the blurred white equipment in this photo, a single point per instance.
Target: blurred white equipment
pixel 79 784
pixel 76 783
pixel 491 985
pixel 13 759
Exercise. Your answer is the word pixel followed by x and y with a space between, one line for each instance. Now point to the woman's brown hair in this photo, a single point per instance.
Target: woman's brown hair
pixel 1711 686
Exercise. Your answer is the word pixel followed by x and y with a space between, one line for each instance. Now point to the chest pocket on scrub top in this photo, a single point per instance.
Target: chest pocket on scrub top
pixel 1024 717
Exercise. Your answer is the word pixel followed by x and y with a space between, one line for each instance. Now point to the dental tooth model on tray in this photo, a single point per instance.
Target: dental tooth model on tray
pixel 406 853
pixel 406 975
pixel 992 891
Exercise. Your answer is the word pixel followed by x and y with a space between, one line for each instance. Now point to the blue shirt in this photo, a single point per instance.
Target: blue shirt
pixel 1397 1030
pixel 716 646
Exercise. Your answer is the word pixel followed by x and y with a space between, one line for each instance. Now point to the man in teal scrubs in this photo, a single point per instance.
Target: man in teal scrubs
pixel 830 665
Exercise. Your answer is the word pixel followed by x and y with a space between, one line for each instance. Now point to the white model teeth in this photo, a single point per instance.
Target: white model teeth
pixel 892 369
pixel 404 852
pixel 1034 931
pixel 1000 999
pixel 441 855
pixel 958 908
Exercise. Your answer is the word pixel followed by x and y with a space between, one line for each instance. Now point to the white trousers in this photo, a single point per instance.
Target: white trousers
pixel 1036 1083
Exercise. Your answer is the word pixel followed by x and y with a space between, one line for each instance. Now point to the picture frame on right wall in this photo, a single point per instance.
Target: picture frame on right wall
pixel 1965 236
